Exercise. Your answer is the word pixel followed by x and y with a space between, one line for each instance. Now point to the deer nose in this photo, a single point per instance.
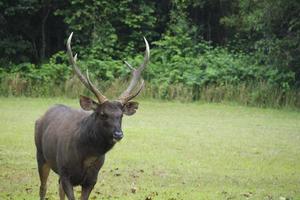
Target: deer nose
pixel 118 135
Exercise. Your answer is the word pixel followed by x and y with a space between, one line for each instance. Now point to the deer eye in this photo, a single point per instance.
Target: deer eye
pixel 103 115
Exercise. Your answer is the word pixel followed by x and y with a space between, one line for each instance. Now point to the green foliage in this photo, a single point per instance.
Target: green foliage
pixel 176 71
pixel 100 24
pixel 198 48
pixel 270 29
pixel 174 61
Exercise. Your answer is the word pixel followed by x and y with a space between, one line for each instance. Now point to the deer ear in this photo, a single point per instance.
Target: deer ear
pixel 130 107
pixel 87 103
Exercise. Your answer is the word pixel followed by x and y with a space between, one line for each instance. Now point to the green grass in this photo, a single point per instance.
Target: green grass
pixel 170 151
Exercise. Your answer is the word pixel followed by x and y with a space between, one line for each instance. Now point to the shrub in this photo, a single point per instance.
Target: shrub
pixel 176 71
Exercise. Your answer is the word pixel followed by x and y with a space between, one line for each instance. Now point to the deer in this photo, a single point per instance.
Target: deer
pixel 73 142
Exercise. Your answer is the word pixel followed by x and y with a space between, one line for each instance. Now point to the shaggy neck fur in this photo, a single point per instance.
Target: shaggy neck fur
pixel 93 137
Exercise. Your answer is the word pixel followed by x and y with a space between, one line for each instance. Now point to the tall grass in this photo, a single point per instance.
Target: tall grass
pixel 258 94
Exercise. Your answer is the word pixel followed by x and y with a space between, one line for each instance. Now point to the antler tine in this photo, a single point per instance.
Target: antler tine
pixel 101 98
pixel 131 96
pixel 147 55
pixel 72 60
pixel 129 65
pixel 136 74
pixel 86 81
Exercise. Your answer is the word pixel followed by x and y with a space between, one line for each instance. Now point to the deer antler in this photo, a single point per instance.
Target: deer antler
pixel 85 80
pixel 136 74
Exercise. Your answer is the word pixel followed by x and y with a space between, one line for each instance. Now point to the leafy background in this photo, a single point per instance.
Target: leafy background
pixel 240 50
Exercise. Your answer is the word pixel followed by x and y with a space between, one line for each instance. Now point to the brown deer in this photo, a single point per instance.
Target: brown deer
pixel 73 142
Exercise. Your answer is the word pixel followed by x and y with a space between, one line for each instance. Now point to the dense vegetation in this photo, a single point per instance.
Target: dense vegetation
pixel 241 50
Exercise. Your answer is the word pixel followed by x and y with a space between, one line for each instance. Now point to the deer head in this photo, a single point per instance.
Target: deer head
pixel 109 113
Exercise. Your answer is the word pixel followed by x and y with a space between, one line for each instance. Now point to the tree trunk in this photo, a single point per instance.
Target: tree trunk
pixel 208 26
pixel 35 51
pixel 44 21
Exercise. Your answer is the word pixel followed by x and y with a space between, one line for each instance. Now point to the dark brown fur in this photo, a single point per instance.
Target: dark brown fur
pixel 73 143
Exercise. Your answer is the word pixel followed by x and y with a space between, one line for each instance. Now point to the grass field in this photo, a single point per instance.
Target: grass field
pixel 171 151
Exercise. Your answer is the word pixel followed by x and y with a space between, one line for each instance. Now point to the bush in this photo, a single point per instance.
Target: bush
pixel 176 71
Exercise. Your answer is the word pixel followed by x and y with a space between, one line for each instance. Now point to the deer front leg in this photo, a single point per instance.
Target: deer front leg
pixel 86 191
pixel 67 187
pixel 61 191
pixel 90 182
pixel 44 170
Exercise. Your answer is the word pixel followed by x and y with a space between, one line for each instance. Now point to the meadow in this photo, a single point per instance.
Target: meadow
pixel 171 151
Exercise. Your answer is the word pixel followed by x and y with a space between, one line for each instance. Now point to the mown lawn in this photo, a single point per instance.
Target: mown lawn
pixel 170 151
